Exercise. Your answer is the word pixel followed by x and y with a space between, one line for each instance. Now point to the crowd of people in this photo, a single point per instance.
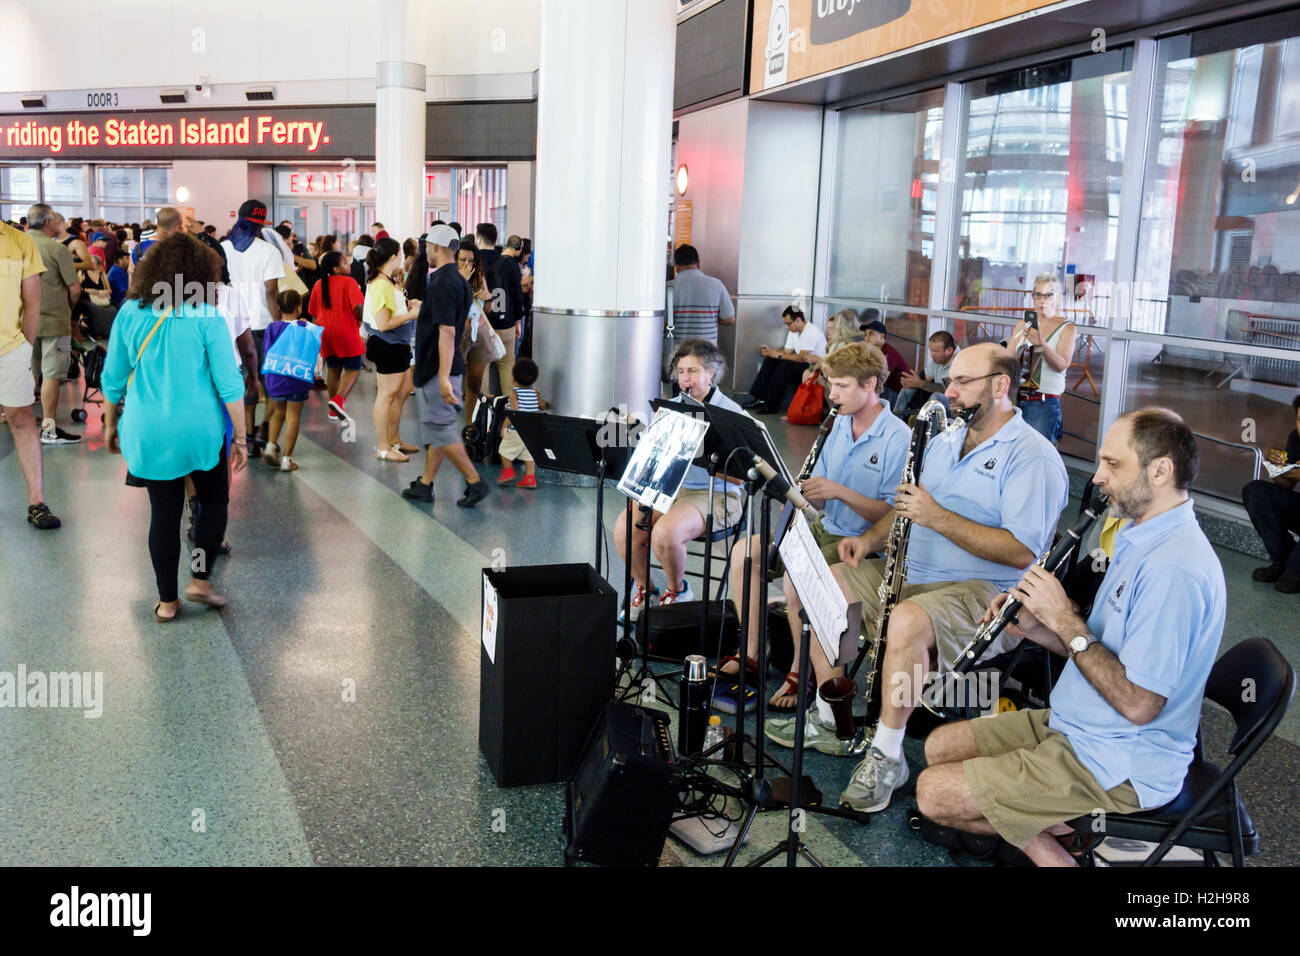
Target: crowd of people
pixel 177 325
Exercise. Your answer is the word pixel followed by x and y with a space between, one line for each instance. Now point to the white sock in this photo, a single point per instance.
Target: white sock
pixel 889 741
pixel 47 424
pixel 824 710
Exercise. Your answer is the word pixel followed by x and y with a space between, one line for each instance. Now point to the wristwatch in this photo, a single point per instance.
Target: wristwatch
pixel 1080 644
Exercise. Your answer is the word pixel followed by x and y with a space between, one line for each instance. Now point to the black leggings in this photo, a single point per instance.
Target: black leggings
pixel 167 502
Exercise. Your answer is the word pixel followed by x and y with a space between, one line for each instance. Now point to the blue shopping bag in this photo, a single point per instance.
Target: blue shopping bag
pixel 294 352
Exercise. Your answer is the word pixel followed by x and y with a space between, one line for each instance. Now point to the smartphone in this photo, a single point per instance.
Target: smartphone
pixel 1031 318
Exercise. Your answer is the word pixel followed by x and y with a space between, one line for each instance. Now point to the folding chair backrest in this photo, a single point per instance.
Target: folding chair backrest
pixel 1254 683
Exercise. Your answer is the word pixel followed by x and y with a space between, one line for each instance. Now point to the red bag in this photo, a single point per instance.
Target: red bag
pixel 807 404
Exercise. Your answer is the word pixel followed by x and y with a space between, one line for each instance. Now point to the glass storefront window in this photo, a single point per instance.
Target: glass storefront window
pixel 119 184
pixel 1236 401
pixel 1220 243
pixel 64 184
pixel 157 185
pixel 19 183
pixel 1040 181
pixel 886 184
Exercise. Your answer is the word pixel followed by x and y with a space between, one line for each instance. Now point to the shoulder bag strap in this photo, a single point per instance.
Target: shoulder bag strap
pixel 161 319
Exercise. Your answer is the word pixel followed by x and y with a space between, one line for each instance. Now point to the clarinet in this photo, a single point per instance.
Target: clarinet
pixel 1052 562
pixel 809 463
pixel 932 417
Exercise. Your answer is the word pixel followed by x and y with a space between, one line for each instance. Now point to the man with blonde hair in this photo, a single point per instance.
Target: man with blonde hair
pixel 853 480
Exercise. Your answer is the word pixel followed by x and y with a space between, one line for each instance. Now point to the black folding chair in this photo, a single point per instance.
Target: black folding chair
pixel 1254 683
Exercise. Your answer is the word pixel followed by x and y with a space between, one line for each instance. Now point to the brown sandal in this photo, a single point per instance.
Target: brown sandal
pixel 790 688
pixel 751 668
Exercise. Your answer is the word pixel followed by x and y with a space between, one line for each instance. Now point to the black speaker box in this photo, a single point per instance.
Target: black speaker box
pixel 547 654
pixel 621 797
pixel 674 631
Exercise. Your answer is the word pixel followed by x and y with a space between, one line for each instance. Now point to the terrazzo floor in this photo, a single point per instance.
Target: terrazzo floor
pixel 329 715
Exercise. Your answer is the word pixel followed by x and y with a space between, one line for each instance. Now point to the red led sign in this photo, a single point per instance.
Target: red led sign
pixel 113 133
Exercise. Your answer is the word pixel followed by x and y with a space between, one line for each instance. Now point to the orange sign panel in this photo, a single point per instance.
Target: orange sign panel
pixel 796 39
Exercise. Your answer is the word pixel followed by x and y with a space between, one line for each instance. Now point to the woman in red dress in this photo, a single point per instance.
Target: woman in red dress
pixel 336 302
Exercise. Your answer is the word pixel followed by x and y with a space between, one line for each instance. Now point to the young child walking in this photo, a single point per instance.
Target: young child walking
pixel 285 394
pixel 523 398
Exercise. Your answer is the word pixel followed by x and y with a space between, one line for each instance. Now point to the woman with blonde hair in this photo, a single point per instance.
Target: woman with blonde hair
pixel 841 330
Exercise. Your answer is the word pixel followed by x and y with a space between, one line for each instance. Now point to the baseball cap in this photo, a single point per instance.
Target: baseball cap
pixel 442 235
pixel 98 236
pixel 254 211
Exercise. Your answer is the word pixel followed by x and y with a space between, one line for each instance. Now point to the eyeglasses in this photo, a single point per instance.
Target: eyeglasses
pixel 961 381
pixel 1042 295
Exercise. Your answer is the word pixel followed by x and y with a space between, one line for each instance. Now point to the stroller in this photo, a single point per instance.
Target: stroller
pixel 96 323
pixel 482 436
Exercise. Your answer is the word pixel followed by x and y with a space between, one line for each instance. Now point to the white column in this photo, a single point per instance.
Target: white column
pixel 399 117
pixel 604 135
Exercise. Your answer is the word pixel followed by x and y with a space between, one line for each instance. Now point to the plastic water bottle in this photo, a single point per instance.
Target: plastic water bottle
pixel 713 735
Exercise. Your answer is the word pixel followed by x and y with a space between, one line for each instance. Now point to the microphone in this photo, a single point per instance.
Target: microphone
pixel 779 486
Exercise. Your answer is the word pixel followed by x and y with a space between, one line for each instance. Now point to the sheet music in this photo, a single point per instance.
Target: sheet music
pixel 663 454
pixel 822 599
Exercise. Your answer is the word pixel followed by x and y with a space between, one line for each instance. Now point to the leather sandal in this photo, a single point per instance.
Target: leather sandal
pixel 751 668
pixel 788 689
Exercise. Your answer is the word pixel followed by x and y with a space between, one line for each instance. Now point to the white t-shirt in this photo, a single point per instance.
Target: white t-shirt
pixel 811 339
pixel 236 318
pixel 249 271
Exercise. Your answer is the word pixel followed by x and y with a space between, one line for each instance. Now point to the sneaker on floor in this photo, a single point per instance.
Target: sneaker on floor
pixel 51 434
pixel 336 408
pixel 507 475
pixel 640 600
pixel 527 481
pixel 473 494
pixel 418 491
pixel 1270 573
pixel 331 416
pixel 677 597
pixel 1288 583
pixel 817 735
pixel 271 455
pixel 288 464
pixel 42 517
pixel 874 782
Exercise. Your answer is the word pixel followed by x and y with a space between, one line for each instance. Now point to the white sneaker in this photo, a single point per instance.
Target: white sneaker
pixel 287 463
pixel 874 782
pixel 640 600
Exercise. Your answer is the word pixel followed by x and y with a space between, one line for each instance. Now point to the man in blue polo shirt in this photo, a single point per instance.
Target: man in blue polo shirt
pixel 1120 733
pixel 855 476
pixel 984 507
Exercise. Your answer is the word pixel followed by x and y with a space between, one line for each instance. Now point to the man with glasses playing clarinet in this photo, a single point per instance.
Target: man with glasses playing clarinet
pixel 984 507
pixel 1122 726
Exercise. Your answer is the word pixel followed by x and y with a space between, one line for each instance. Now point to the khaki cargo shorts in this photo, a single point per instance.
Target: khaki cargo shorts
pixel 954 607
pixel 1028 778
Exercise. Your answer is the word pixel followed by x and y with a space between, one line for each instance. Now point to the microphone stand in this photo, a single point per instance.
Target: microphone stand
pixel 637 681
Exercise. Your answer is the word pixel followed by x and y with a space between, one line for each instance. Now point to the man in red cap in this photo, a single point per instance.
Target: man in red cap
pixel 256 269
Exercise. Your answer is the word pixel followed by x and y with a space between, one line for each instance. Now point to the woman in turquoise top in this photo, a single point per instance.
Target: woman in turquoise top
pixel 177 370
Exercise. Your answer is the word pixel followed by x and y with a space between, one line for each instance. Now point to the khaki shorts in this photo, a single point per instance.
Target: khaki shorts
pixel 17 384
pixel 1028 779
pixel 827 542
pixel 51 356
pixel 513 447
pixel 726 507
pixel 954 607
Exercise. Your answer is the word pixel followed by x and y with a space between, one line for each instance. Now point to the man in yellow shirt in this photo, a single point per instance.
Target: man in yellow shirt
pixel 20 314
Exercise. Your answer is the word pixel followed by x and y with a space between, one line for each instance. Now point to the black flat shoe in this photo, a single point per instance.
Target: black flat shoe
pixel 1288 583
pixel 1270 573
pixel 473 494
pixel 418 491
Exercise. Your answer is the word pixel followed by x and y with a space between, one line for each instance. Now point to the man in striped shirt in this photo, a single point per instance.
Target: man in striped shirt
pixel 700 302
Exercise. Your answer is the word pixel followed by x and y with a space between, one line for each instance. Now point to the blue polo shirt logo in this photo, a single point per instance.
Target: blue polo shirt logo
pixel 875 458
pixel 988 465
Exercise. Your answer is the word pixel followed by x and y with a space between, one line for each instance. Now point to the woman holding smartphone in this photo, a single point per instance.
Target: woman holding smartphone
pixel 1051 340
